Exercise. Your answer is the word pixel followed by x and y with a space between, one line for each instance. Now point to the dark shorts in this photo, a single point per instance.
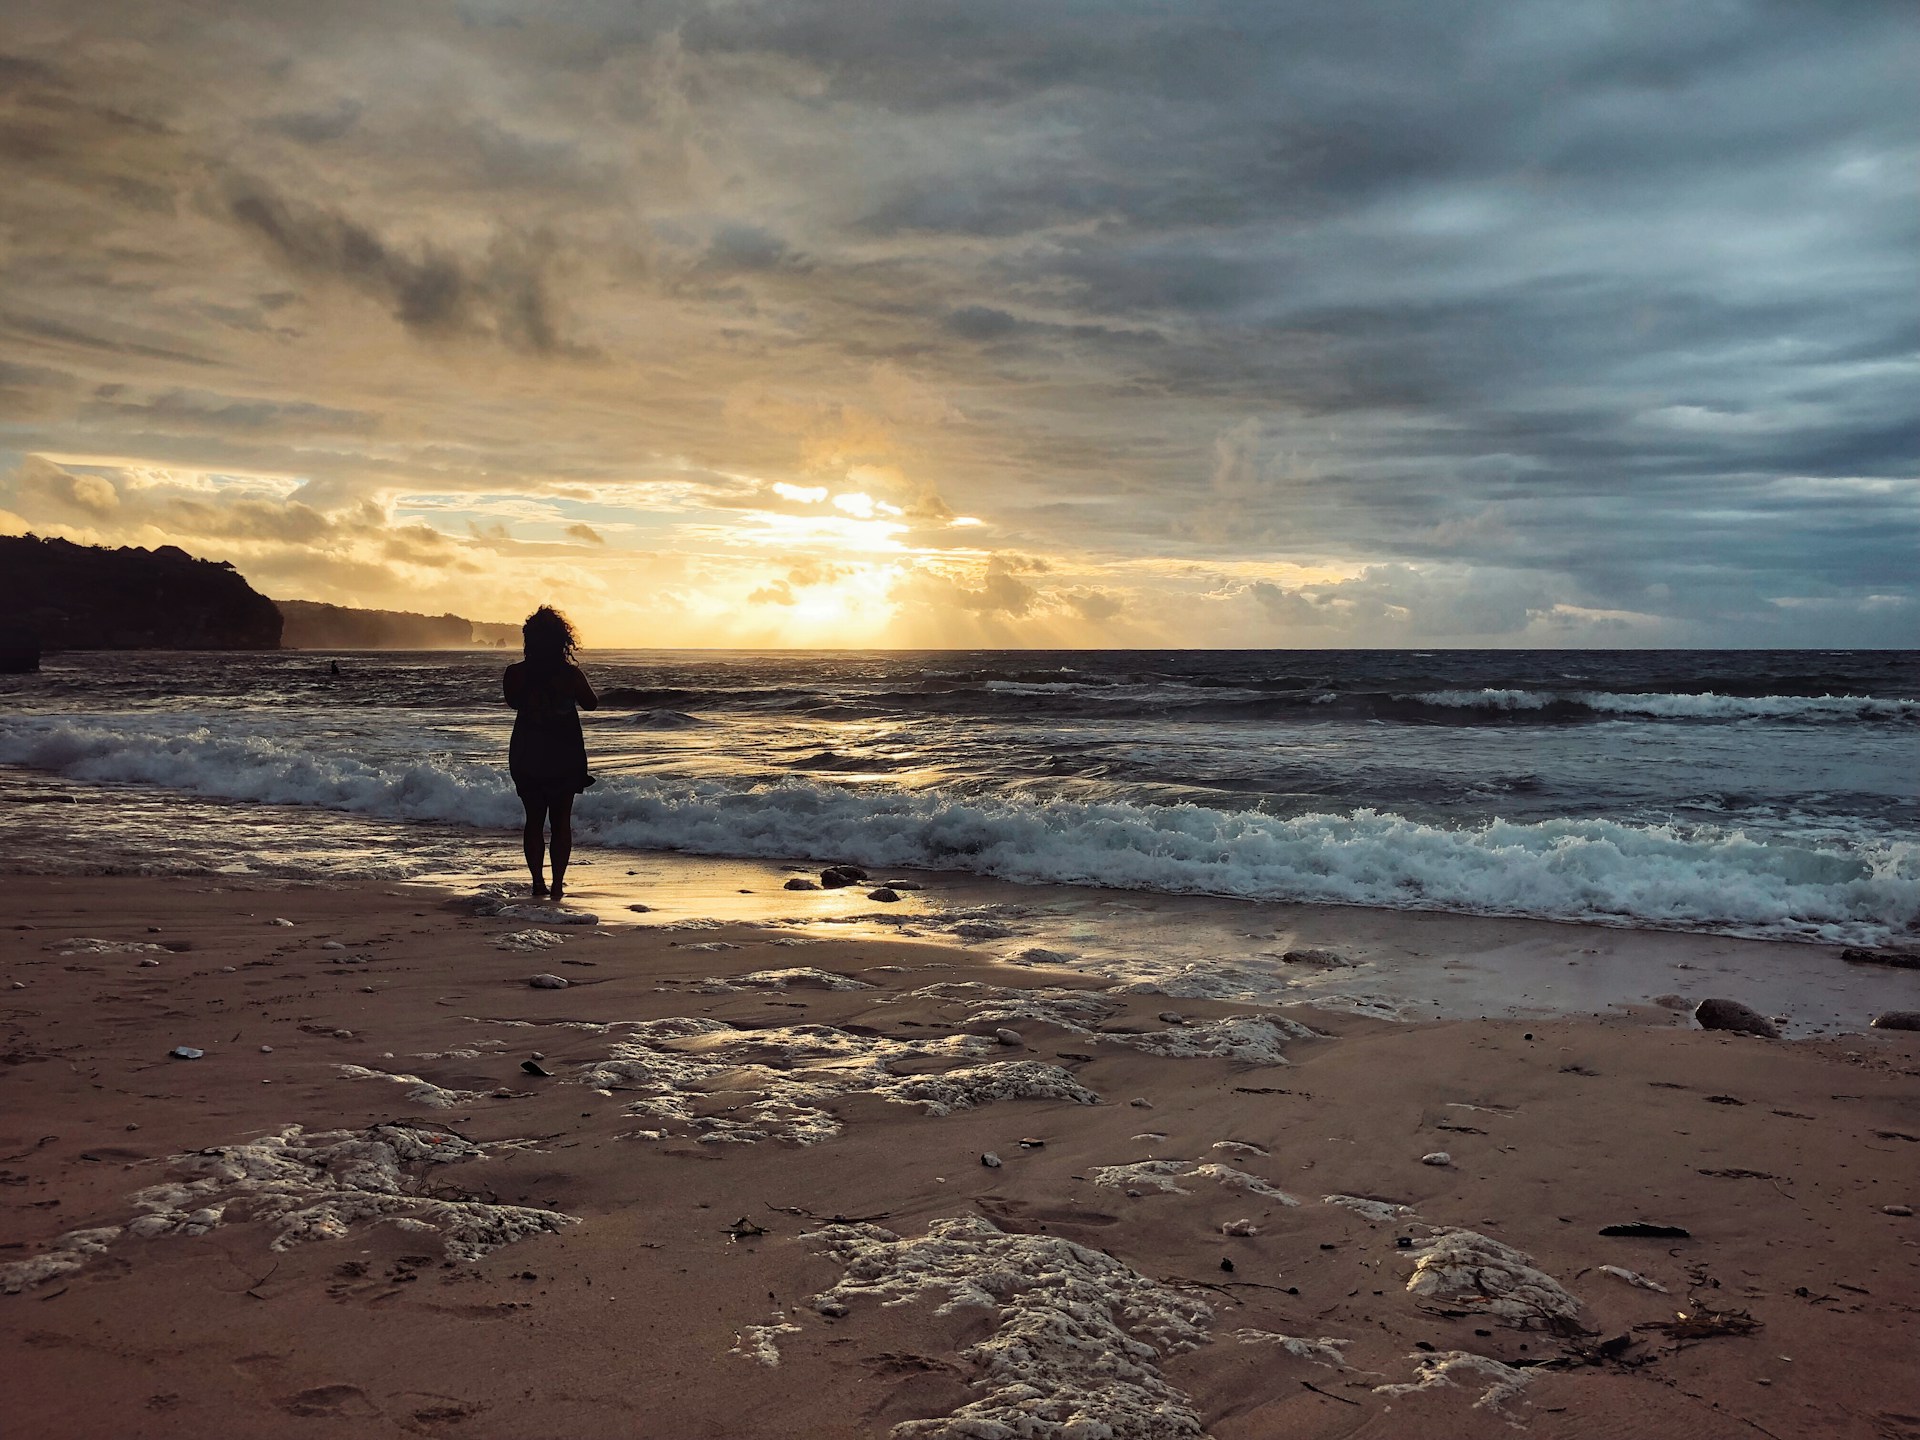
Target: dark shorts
pixel 545 792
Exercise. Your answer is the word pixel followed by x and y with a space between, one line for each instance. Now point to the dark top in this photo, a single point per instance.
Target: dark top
pixel 547 752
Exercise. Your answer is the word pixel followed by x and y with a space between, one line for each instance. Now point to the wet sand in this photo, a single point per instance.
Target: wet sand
pixel 639 1244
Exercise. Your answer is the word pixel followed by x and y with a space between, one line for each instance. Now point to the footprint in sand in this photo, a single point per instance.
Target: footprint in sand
pixel 333 1402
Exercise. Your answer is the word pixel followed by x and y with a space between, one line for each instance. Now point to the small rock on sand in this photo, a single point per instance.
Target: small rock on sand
pixel 1732 1015
pixel 266 1049
pixel 1897 1020
pixel 1172 1017
pixel 287 923
pixel 801 883
pixel 1239 1227
pixel 885 895
pixel 1437 1157
pixel 838 877
pixel 1896 1210
pixel 990 1160
pixel 1009 1037
pixel 548 982
pixel 185 1052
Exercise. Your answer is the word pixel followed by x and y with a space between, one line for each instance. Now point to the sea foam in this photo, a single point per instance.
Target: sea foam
pixel 1687 877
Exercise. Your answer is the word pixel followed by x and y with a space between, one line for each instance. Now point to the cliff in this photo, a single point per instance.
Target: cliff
pixel 312 625
pixel 87 597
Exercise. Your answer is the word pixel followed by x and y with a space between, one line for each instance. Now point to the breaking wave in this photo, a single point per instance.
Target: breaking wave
pixel 1666 706
pixel 1671 876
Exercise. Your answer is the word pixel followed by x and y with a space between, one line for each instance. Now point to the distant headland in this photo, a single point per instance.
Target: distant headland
pixel 55 595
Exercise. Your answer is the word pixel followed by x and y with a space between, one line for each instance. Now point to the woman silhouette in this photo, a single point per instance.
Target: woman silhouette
pixel 548 755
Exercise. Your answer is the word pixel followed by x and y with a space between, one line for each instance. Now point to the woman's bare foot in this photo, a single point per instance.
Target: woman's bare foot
pixel 539 889
pixel 559 892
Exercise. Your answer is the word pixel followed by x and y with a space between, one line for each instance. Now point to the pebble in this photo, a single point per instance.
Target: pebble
pixel 229 969
pixel 800 883
pixel 1009 1037
pixel 548 982
pixel 185 1052
pixel 1716 1014
pixel 640 909
pixel 832 1309
pixel 1141 1104
pixel 1902 1210
pixel 538 1054
pixel 1897 1020
pixel 131 1126
pixel 1438 1157
pixel 343 1034
pixel 149 962
pixel 1239 1227
pixel 287 923
pixel 990 1160
pixel 1172 1017
pixel 884 895
pixel 19 984
pixel 266 1049
pixel 332 945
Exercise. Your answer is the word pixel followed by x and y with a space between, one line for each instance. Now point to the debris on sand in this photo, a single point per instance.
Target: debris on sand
pixel 1633 1277
pixel 1703 1323
pixel 1646 1230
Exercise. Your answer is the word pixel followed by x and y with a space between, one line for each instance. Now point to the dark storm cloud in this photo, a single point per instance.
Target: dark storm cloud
pixel 431 291
pixel 1585 304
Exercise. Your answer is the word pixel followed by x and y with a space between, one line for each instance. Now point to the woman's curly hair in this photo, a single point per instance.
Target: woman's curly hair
pixel 549 637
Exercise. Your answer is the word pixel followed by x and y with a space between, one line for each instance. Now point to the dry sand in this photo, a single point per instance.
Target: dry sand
pixel 643 1245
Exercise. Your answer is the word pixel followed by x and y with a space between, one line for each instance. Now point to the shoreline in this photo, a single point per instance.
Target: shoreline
pixel 643 1308
pixel 1391 961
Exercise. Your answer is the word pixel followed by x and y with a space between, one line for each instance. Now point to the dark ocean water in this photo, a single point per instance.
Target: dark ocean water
pixel 1751 792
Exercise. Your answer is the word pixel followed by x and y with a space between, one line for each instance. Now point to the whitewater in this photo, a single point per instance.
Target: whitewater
pixel 1776 805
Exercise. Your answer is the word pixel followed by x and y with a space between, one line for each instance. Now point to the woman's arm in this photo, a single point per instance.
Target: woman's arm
pixel 510 686
pixel 583 690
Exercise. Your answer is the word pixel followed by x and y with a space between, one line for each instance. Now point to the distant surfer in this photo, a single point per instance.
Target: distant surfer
pixel 548 754
pixel 333 668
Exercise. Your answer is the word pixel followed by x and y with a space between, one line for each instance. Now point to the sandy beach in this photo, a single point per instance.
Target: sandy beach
pixel 749 1196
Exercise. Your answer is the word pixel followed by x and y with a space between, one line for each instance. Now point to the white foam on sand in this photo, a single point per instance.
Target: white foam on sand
pixel 1165 1175
pixel 1077 1340
pixel 761 1343
pixel 316 1186
pixel 1465 1268
pixel 528 939
pixel 1249 1039
pixel 1077 1011
pixel 1379 1211
pixel 1497 1383
pixel 423 1092
pixel 92 945
pixel 1324 1351
pixel 795 1071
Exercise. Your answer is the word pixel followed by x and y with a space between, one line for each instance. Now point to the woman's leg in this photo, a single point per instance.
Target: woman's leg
pixel 561 809
pixel 533 839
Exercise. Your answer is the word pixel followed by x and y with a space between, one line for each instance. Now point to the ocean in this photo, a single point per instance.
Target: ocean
pixel 1750 793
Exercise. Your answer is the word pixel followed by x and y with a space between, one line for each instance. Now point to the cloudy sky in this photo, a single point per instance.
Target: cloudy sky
pixel 983 322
